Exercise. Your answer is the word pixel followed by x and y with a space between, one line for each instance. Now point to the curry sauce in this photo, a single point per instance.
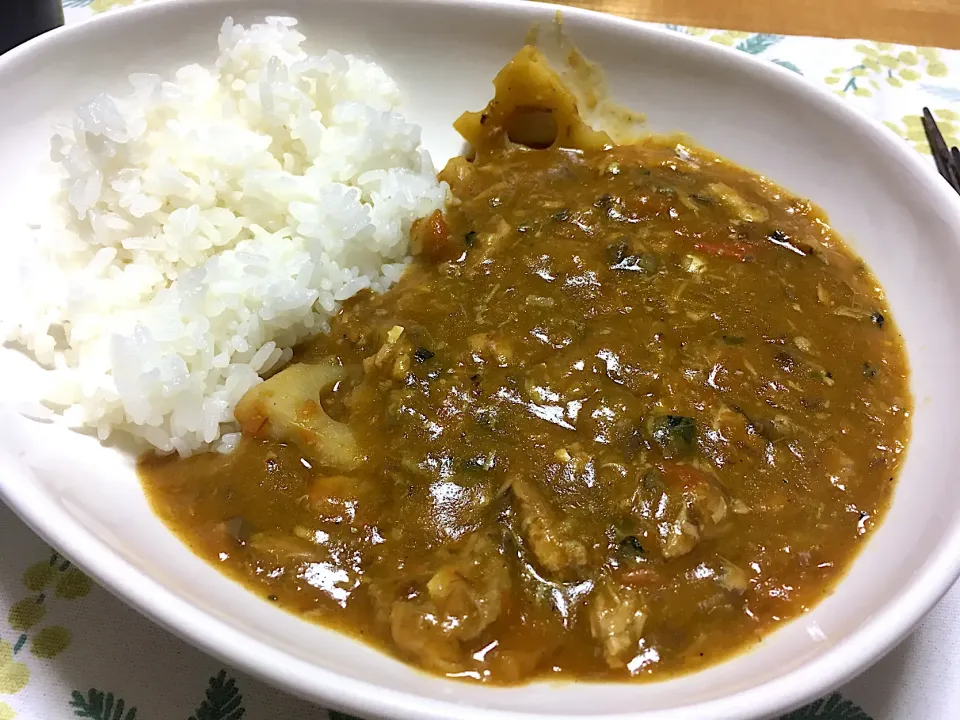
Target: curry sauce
pixel 629 409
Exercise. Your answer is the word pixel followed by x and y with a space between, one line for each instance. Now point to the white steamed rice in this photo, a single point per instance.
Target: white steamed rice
pixel 207 224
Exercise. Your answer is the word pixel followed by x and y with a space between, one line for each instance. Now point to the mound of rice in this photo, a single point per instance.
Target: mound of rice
pixel 207 224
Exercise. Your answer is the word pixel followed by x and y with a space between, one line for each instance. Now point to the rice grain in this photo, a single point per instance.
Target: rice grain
pixel 207 224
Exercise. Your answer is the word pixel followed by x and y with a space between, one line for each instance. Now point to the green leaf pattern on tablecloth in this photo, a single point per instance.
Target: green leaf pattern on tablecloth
pixel 787 64
pixel 98 705
pixel 886 63
pixel 832 707
pixel 222 702
pixel 66 582
pixel 883 79
pixel 54 574
pixel 758 43
pixel 890 82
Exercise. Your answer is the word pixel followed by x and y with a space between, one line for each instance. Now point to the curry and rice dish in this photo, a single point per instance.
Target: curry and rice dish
pixel 629 409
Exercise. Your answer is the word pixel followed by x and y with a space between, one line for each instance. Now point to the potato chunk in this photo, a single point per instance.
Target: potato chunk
pixel 531 107
pixel 287 408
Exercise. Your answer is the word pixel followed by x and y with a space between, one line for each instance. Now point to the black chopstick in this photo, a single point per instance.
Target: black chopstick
pixel 947 160
pixel 955 162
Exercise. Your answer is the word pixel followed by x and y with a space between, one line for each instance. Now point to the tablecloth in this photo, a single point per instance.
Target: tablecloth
pixel 70 649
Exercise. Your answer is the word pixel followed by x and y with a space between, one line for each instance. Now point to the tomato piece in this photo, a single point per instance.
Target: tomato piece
pixel 430 237
pixel 686 476
pixel 732 250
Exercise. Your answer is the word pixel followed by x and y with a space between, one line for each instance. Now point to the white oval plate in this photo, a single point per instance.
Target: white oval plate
pixel 85 499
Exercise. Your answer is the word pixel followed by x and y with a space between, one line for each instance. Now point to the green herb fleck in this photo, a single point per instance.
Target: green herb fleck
pixel 421 354
pixel 630 547
pixel 676 434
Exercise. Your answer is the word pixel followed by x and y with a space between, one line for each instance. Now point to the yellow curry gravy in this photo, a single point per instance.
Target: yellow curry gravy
pixel 629 409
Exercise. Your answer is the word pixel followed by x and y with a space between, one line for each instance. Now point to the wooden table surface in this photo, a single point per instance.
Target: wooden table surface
pixel 913 22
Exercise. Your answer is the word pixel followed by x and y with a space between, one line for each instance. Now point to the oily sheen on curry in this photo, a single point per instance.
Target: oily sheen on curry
pixel 630 408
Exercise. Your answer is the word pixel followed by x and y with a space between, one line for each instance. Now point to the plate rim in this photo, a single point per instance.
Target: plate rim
pixel 873 639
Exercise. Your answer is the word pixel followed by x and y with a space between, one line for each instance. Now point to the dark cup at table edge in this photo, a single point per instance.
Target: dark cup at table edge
pixel 22 20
